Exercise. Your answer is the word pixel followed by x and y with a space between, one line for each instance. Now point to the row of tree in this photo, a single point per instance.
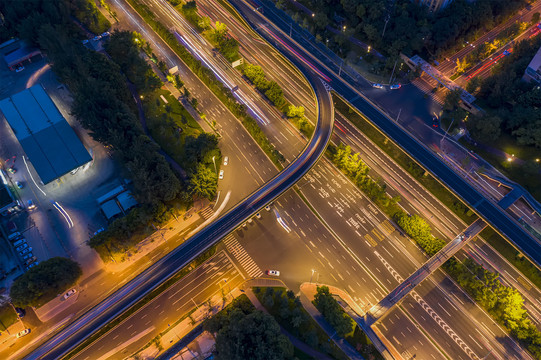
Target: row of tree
pixel 218 36
pixel 207 76
pixel 287 309
pixel 241 333
pixel 327 305
pixel 504 303
pixel 275 94
pixel 403 25
pixel 353 166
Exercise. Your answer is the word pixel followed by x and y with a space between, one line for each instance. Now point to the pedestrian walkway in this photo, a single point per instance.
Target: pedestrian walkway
pixel 206 213
pixel 245 260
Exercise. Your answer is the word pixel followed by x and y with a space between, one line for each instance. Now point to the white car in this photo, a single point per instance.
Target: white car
pixel 226 160
pixel 69 293
pixel 221 176
pixel 273 272
pixel 267 207
pixel 377 86
pixel 395 87
pixel 23 333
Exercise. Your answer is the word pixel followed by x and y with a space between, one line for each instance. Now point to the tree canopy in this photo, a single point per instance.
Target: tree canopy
pixel 44 281
pixel 333 312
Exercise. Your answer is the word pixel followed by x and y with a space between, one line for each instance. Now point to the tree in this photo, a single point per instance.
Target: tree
pixel 200 149
pixel 461 65
pixel 535 18
pixel 485 128
pixel 254 336
pixel 295 111
pixel 473 84
pixel 204 23
pixel 44 281
pixel 332 312
pixel 204 182
pixel 275 94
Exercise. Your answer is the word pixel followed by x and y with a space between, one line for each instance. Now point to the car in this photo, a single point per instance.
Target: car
pixel 267 207
pixel 30 205
pixel 23 333
pixel 26 256
pixel 221 176
pixel 435 122
pixel 12 170
pixel 21 247
pixel 96 38
pixel 31 260
pixel 20 312
pixel 25 251
pixel 98 231
pixel 19 184
pixel 258 215
pixel 250 221
pixel 69 293
pixel 85 41
pixel 377 86
pixel 226 160
pixel 395 86
pixel 32 265
pixel 244 224
pixel 273 272
pixel 105 34
pixel 19 68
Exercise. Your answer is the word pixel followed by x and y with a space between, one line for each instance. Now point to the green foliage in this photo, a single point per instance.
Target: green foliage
pixel 207 76
pixel 357 171
pixel 419 230
pixel 333 312
pixel 225 44
pixel 512 104
pixel 203 182
pixel 504 303
pixel 122 48
pixel 244 333
pixel 411 28
pixel 44 282
pixel 287 309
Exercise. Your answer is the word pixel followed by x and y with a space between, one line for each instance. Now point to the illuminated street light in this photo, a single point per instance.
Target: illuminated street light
pixel 313 271
pixel 313 14
pixel 369 47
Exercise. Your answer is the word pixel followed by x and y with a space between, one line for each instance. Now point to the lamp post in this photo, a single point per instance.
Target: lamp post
pixel 313 271
pixel 214 161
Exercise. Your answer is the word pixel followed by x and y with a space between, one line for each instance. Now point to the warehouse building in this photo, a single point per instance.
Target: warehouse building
pixel 48 140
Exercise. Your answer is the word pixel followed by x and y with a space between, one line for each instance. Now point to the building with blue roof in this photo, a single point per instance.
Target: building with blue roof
pixel 48 140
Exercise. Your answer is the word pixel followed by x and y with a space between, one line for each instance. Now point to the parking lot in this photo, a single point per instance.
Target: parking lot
pixel 55 219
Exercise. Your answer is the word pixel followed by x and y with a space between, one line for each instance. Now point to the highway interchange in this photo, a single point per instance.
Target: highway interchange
pixel 338 202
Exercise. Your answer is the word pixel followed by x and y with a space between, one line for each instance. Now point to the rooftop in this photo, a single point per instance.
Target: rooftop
pixel 46 137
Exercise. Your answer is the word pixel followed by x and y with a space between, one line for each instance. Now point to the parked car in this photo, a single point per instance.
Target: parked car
pixel 19 68
pixel 395 86
pixel 69 293
pixel 105 34
pixel 25 251
pixel 273 272
pixel 226 160
pixel 26 256
pixel 96 38
pixel 19 184
pixel 31 260
pixel 377 86
pixel 267 207
pixel 31 265
pixel 21 247
pixel 258 215
pixel 23 333
pixel 221 176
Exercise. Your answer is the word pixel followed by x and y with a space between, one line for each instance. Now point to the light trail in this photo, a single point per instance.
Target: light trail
pixel 31 177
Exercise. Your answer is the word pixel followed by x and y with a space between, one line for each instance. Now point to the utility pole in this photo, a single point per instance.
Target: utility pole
pixel 394 67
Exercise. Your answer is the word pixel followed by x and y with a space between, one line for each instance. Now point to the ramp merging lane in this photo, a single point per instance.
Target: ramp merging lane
pixel 129 294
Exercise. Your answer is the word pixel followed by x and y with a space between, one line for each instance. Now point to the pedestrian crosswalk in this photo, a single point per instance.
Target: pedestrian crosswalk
pixel 206 212
pixel 245 261
pixel 427 88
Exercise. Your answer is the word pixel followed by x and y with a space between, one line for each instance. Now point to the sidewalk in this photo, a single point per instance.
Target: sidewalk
pixel 56 306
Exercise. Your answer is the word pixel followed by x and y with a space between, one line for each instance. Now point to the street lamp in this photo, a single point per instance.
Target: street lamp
pixel 313 271
pixel 214 161
pixel 369 48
